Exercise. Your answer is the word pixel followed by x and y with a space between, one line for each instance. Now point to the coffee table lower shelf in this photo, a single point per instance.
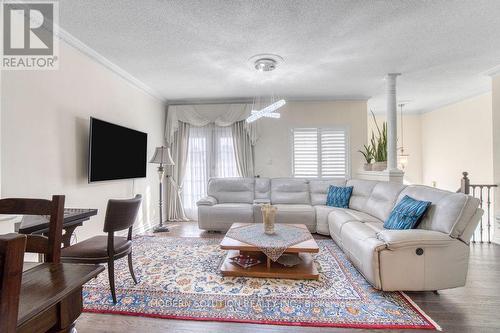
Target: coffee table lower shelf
pixel 306 270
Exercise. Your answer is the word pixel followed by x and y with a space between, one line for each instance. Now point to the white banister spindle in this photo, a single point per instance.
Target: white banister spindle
pixel 392 122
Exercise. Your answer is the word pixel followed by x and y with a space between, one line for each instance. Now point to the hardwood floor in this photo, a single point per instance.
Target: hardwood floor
pixel 473 308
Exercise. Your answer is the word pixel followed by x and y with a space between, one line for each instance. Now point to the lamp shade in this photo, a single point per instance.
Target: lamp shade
pixel 162 156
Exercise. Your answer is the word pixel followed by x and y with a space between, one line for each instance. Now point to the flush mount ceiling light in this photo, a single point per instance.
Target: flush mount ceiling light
pixel 265 62
pixel 265 65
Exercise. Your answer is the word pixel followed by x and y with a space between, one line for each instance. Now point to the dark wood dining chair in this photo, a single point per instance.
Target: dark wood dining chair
pixel 120 215
pixel 49 246
pixel 11 272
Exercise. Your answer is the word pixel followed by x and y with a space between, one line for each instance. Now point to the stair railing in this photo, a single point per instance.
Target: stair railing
pixel 486 195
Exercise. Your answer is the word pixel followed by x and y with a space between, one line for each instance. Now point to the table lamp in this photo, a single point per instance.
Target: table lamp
pixel 162 157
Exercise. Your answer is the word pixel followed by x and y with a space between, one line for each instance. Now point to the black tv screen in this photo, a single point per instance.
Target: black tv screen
pixel 116 152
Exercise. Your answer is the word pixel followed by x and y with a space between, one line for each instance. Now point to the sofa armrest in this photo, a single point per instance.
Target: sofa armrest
pixel 395 239
pixel 206 201
pixel 261 202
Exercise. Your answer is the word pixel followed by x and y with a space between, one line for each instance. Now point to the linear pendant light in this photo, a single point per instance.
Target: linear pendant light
pixel 275 115
pixel 266 111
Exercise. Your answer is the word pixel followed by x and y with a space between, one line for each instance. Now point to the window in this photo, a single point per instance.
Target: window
pixel 320 152
pixel 210 154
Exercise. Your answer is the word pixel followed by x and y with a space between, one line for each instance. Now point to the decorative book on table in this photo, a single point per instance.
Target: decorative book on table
pixel 245 261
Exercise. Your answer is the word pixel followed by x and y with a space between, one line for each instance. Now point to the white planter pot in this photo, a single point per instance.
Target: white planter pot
pixel 379 166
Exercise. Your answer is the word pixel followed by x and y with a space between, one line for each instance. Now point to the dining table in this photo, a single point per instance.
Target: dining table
pixel 39 225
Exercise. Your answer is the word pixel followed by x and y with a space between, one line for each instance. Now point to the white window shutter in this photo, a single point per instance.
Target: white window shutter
pixel 333 153
pixel 320 152
pixel 305 152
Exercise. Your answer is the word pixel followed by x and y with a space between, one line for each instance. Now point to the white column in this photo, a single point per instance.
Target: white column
pixel 495 91
pixel 392 122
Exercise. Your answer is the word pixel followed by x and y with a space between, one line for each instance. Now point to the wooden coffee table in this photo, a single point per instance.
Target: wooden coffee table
pixel 306 269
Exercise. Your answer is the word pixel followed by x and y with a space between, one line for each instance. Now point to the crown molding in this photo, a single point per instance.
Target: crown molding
pixel 199 101
pixel 96 56
pixel 492 72
pixel 248 100
pixel 405 113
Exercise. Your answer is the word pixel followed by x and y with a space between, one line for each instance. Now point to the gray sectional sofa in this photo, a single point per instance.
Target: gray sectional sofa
pixel 432 257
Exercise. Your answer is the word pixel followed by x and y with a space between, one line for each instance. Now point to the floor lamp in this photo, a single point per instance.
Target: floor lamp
pixel 163 158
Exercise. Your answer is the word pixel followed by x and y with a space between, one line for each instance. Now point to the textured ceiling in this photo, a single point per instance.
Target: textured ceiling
pixel 332 49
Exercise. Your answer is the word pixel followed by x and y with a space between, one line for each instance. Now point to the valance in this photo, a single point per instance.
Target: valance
pixel 204 114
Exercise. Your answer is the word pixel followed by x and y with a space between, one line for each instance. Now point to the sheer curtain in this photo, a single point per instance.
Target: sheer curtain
pixel 210 154
pixel 243 149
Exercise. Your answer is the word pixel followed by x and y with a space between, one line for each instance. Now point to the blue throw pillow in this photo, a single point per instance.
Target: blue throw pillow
pixel 406 214
pixel 338 196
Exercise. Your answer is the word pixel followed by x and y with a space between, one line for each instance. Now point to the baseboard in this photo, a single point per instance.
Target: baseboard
pixel 138 229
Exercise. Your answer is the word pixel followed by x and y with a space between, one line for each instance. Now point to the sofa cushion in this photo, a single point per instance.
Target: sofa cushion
pixel 222 216
pixel 376 226
pixel 297 214
pixel 263 188
pixel 322 212
pixel 231 190
pixel 339 196
pixel 361 245
pixel 467 217
pixel 382 199
pixel 449 212
pixel 406 214
pixel 319 189
pixel 361 191
pixel 471 226
pixel 290 191
pixel 395 239
pixel 340 216
pixel 206 201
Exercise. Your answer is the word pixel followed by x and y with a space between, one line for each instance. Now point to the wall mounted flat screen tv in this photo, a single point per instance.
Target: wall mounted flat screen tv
pixel 115 152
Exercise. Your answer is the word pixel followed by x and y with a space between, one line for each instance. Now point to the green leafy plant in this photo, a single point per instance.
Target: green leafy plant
pixel 367 153
pixel 379 143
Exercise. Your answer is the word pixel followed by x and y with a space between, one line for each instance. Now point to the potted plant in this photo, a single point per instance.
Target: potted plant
pixel 368 155
pixel 379 146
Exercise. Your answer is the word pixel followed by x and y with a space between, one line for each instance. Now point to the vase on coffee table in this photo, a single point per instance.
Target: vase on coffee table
pixel 269 217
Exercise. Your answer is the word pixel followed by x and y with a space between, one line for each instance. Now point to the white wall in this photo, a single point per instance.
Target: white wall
pixel 446 141
pixel 273 149
pixel 457 138
pixel 44 134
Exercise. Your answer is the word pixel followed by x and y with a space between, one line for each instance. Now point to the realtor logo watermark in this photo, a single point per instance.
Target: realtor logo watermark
pixel 29 35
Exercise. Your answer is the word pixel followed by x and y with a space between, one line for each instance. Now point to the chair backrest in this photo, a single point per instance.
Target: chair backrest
pixel 11 272
pixel 49 246
pixel 121 214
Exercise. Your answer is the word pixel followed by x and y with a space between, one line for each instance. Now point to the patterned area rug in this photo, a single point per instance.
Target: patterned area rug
pixel 179 279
